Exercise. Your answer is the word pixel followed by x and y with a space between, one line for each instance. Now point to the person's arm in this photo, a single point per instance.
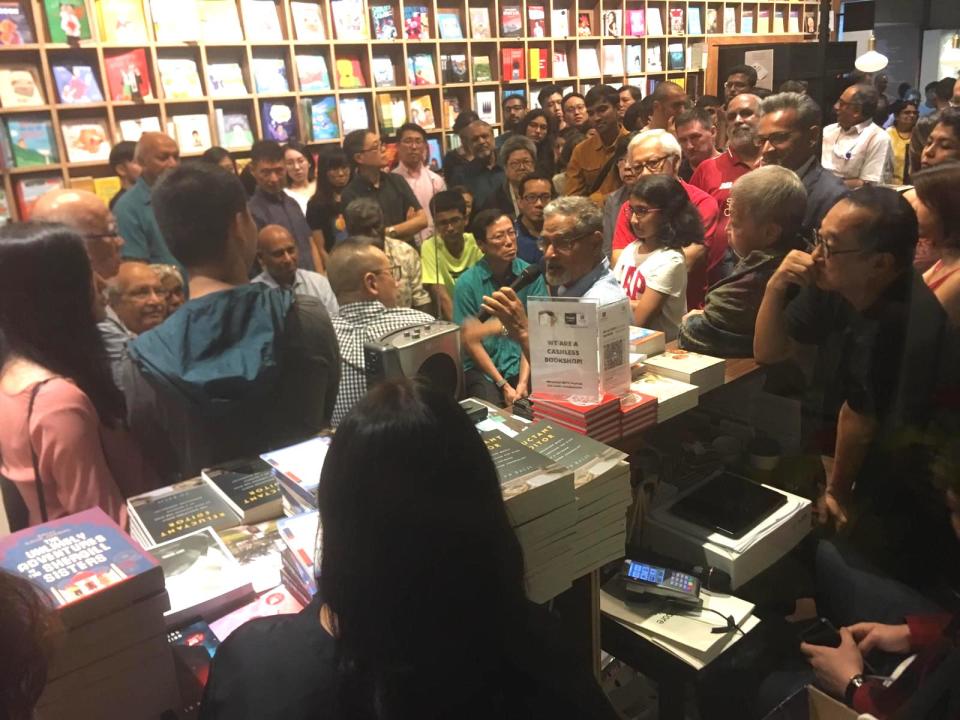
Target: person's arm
pixel 318 249
pixel 523 384
pixel 441 299
pixel 415 222
pixel 647 307
pixel 694 254
pixel 771 341
pixel 855 432
pixel 622 233
pixel 419 297
pixel 509 310
pixel 576 182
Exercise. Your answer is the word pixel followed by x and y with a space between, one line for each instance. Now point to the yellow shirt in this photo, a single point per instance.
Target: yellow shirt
pixel 900 151
pixel 442 268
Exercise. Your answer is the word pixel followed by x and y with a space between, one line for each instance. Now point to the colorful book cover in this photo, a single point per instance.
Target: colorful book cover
pixel 513 65
pixel 277 601
pixel 225 80
pixel 278 121
pixel 29 189
pixel 67 20
pixel 14 23
pixel 384 74
pixel 746 21
pixel 174 20
pixel 349 73
pixel 308 21
pixel 301 536
pixel 270 75
pixel 479 23
pixel 235 131
pixel 421 112
pixel 448 22
pixel 180 79
pixel 481 69
pixel 676 56
pixel 536 21
pixel 348 19
pixel 436 154
pixel 384 25
pixel 511 21
pixel 257 549
pixel 422 71
pixel 636 23
pixel 193 137
pixel 354 114
pixel 193 647
pixel 76 84
pixel 85 140
pixel 219 22
pixel 454 68
pixel 6 212
pixel 676 21
pixel 127 76
pixel 416 23
pixel 584 25
pixel 122 21
pixel 261 21
pixel 323 117
pixel 176 510
pixel 312 72
pixel 20 87
pixel 32 141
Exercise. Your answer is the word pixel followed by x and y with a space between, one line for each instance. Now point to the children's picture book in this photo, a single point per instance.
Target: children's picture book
pixel 270 75
pixel 421 112
pixel 384 74
pixel 85 140
pixel 20 86
pixel 122 21
pixel 313 73
pixel 67 20
pixel 15 23
pixel 278 121
pixel 225 79
pixel 234 129
pixel 308 21
pixel 133 128
pixel 421 70
pixel 416 22
pixel 179 78
pixel 31 141
pixel 348 19
pixel 29 189
pixel 384 24
pixel 193 135
pixel 354 114
pixel 584 25
pixel 323 116
pixel 448 22
pixel 127 76
pixel 479 23
pixel 219 22
pixel 481 69
pixel 76 84
pixel 349 72
pixel 175 20
pixel 261 21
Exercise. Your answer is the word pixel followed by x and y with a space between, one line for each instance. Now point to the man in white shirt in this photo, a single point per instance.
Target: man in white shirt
pixel 412 153
pixel 277 253
pixel 854 148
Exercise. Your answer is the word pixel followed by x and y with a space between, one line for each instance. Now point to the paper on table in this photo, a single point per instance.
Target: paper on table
pixel 301 463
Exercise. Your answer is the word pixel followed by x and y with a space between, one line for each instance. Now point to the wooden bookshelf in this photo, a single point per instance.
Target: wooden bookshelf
pixel 43 54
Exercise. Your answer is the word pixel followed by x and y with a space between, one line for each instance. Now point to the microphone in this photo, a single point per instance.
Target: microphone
pixel 529 274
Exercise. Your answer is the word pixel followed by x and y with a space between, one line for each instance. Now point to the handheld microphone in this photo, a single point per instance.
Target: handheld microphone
pixel 529 274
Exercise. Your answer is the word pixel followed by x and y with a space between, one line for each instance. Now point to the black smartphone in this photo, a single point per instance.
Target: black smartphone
pixel 821 632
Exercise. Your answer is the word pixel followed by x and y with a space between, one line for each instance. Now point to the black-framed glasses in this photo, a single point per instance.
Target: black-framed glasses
pixel 828 252
pixel 654 165
pixel 561 244
pixel 643 211
pixel 777 138
pixel 531 198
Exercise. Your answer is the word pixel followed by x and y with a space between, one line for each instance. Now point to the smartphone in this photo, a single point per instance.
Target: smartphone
pixel 821 632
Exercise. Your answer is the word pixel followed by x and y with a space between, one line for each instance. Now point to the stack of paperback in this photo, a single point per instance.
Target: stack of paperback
pixel 177 510
pixel 647 342
pixel 704 371
pixel 601 488
pixel 300 555
pixel 110 597
pixel 601 420
pixel 540 502
pixel 297 470
pixel 673 397
pixel 248 487
pixel 637 412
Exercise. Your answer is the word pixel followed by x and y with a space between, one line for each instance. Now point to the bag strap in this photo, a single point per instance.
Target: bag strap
pixel 604 171
pixel 41 498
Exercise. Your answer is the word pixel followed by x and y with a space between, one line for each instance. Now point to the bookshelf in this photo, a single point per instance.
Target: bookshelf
pixel 528 57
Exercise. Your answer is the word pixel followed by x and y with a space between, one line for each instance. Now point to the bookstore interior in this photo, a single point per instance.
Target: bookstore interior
pixel 474 359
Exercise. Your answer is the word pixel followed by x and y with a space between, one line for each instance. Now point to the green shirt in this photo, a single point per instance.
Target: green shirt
pixel 142 239
pixel 443 268
pixel 471 287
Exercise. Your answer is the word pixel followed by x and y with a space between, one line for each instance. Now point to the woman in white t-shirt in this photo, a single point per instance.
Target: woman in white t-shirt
pixel 651 269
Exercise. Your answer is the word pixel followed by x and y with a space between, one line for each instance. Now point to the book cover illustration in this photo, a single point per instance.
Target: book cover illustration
pixel 237 132
pixel 383 72
pixel 384 26
pixel 32 142
pixel 348 19
pixel 308 21
pixel 30 189
pixel 20 87
pixel 354 116
pixel 537 21
pixel 479 23
pixel 436 155
pixel 76 84
pixel 85 141
pixel 481 69
pixel 511 21
pixel 313 73
pixel 278 121
pixel 584 25
pixel 676 21
pixel 175 20
pixel 634 59
pixel 416 23
pixel 67 20
pixel 184 507
pixel 676 56
pixel 261 21
pixel 487 106
pixel 421 112
pixel 127 76
pixel 133 128
pixel 14 24
pixel 193 647
pixel 713 23
pixel 193 134
pixel 219 22
pixel 422 70
pixel 257 549
pixel 179 78
pixel 122 21
pixel 349 72
pixel 456 69
pixel 611 23
pixel 448 22
pixel 270 75
pixel 225 79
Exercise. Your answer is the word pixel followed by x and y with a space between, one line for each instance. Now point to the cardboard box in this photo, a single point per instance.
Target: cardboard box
pixel 810 703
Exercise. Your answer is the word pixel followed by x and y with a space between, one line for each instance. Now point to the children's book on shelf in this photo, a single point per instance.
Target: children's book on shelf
pixel 448 22
pixel 612 23
pixel 479 23
pixel 634 59
pixel 654 21
pixel 261 21
pixel 31 141
pixel 348 19
pixel 132 129
pixel 612 60
pixel 729 20
pixel 482 71
pixel 384 74
pixel 451 108
pixel 421 112
pixel 584 24
pixel 180 78
pixel 219 21
pixel 234 129
pixel 85 140
pixel 29 189
pixel 391 113
pixel 122 21
pixel 676 56
pixel 654 59
pixel 384 24
pixel 676 21
pixel 436 154
pixel 313 73
pixel 270 75
pixel 421 70
pixel 560 23
pixel 416 22
pixel 693 21
pixel 106 187
pixel 487 106
pixel 127 76
pixel 308 21
pixel 15 26
pixel 349 73
pixel 76 84
pixel 763 21
pixel 225 79
pixel 511 21
pixel 636 23
pixel 20 86
pixel 67 20
pixel 278 121
pixel 354 114
pixel 323 117
pixel 175 20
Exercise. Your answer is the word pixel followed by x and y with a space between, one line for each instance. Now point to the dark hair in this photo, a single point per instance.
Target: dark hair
pixel 438 536
pixel 483 220
pixel 899 106
pixel 532 177
pixel 215 154
pixel 545 148
pixel 569 95
pixel 353 143
pixel 331 158
pixel 794 86
pixel 463 120
pixel 680 224
pixel 122 152
pixel 573 137
pixel 708 101
pixel 892 227
pixel 546 91
pixel 411 127
pixel 951 118
pixel 195 204
pixel 308 156
pixel 46 313
pixel 635 92
pixel 602 93
pixel 902 89
pixel 930 86
pixel 750 72
pixel 638 115
pixel 867 97
pixel 503 102
pixel 945 88
pixel 807 111
pixel 364 216
pixel 29 625
pixel 447 200
pixel 266 151
pixel 694 115
pixel 938 188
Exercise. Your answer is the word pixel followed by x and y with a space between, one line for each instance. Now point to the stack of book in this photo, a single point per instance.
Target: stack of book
pixel 600 420
pixel 171 512
pixel 300 554
pixel 638 411
pixel 248 487
pixel 297 470
pixel 673 397
pixel 704 371
pixel 110 597
pixel 646 342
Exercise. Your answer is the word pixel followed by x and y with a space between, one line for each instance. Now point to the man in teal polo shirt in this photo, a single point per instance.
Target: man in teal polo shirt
pixel 142 239
pixel 495 368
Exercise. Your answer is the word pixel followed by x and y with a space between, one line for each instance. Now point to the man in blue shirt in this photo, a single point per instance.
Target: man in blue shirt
pixel 533 194
pixel 481 175
pixel 495 368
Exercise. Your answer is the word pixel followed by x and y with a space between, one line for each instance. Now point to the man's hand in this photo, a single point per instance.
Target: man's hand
pixel 830 509
pixel 506 307
pixel 691 313
pixel 835 667
pixel 522 390
pixel 888 638
pixel 510 395
pixel 797 268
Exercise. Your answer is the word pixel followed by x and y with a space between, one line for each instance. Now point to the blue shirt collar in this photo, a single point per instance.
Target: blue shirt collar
pixel 580 287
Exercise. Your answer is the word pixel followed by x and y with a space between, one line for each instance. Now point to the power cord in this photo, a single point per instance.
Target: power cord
pixel 730 626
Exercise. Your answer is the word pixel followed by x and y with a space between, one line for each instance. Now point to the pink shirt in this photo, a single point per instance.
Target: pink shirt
pixel 425 185
pixel 79 459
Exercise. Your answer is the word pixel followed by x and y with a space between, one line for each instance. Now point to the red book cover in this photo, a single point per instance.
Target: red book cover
pixel 513 65
pixel 607 405
pixel 127 76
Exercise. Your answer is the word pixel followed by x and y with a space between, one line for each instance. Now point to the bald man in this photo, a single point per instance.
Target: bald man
pixel 366 287
pixel 89 216
pixel 278 256
pixel 142 239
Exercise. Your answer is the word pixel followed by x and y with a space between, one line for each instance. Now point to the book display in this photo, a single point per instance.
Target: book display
pixel 135 63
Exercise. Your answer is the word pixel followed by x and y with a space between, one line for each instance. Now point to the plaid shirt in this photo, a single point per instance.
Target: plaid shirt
pixel 359 323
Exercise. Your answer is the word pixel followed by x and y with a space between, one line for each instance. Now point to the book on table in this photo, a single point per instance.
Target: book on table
pixel 298 467
pixel 177 510
pixel 704 371
pixel 249 488
pixel 673 396
pixel 300 555
pixel 193 647
pixel 257 549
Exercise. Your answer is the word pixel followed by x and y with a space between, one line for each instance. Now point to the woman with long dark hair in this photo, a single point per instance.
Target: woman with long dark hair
pixel 301 173
pixel 62 442
pixel 421 611
pixel 324 211
pixel 936 200
pixel 652 268
pixel 541 127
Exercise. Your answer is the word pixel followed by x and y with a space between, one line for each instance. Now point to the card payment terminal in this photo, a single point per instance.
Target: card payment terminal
pixel 644 579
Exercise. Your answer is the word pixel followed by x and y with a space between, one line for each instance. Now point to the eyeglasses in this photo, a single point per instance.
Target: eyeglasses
pixel 654 165
pixel 395 270
pixel 820 242
pixel 544 198
pixel 576 108
pixel 144 293
pixel 501 236
pixel 378 146
pixel 776 138
pixel 642 211
pixel 520 164
pixel 560 244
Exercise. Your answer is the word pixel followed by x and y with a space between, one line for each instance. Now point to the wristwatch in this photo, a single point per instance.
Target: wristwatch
pixel 501 383
pixel 856 682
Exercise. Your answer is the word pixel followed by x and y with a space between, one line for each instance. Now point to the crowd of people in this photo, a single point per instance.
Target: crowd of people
pixel 209 313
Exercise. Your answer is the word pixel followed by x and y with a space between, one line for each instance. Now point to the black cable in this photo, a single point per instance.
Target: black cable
pixel 731 624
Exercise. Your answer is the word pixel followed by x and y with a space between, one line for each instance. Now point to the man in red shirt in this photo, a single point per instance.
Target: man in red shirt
pixel 717 175
pixel 657 152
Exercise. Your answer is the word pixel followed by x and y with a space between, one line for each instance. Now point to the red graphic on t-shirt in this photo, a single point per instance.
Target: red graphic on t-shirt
pixel 634 284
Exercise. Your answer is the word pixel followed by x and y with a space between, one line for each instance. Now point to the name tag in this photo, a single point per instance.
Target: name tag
pixel 726 186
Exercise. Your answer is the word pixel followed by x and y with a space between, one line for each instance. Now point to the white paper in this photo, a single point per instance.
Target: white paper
pixel 762 62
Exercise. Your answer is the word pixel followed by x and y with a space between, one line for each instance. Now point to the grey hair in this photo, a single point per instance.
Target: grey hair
pixel 514 143
pixel 772 194
pixel 667 142
pixel 589 217
pixel 363 216
pixel 164 271
pixel 808 112
pixel 867 97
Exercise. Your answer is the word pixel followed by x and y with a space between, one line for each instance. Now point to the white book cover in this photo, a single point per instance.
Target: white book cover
pixel 219 22
pixel 612 23
pixel 654 58
pixel 634 59
pixel 560 67
pixel 261 21
pixel 778 22
pixel 308 20
pixel 794 26
pixel 85 140
pixel 193 133
pixel 487 105
pixel 729 20
pixel 683 363
pixel 746 22
pixel 349 19
pixel 664 389
pixel 588 63
pixel 131 130
pixel 560 23
pixel 654 22
pixel 612 60
pixel 693 21
pixel 175 20
pixel 225 79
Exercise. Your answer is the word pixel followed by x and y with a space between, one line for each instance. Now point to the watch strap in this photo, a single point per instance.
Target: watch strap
pixel 856 682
